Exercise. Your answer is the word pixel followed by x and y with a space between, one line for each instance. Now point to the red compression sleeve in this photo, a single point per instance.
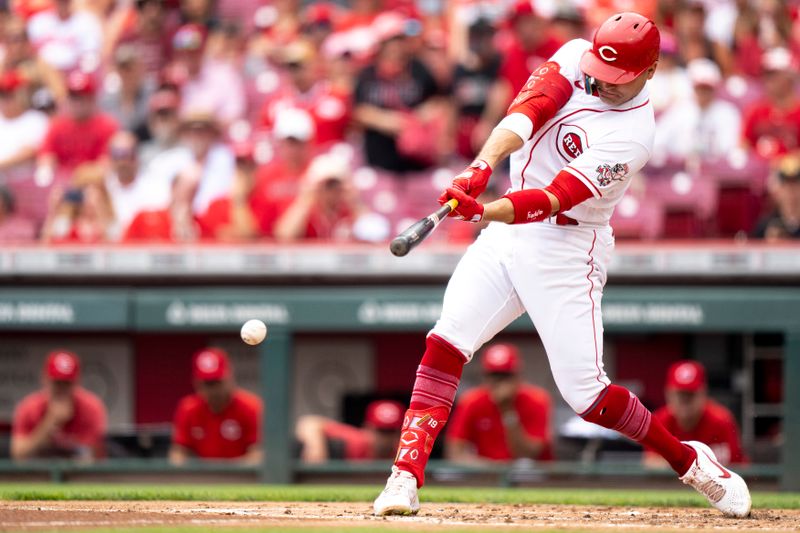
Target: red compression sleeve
pixel 533 205
pixel 569 190
pixel 543 95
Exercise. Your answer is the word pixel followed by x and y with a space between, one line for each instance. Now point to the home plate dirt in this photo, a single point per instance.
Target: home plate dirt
pixel 83 515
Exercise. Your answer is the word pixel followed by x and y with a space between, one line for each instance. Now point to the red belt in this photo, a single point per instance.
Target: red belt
pixel 564 220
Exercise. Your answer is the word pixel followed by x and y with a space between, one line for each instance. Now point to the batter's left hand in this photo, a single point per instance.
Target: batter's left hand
pixel 468 207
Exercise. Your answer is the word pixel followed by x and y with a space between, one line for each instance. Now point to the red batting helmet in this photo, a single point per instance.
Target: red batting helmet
pixel 623 47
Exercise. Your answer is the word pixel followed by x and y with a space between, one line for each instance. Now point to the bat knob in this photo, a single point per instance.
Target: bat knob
pixel 399 246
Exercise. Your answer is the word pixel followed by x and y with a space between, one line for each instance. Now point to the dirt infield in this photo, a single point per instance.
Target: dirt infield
pixel 86 515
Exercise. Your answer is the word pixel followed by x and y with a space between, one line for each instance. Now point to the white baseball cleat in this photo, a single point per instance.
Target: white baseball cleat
pixel 399 496
pixel 725 490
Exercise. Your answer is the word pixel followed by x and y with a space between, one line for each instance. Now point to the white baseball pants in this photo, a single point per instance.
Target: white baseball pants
pixel 556 274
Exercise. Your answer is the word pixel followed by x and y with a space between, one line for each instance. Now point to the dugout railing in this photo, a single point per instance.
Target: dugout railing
pixel 293 310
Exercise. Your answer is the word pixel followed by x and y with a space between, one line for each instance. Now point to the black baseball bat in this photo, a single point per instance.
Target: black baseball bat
pixel 419 230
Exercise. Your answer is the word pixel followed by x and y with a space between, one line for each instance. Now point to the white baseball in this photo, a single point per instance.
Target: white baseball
pixel 254 332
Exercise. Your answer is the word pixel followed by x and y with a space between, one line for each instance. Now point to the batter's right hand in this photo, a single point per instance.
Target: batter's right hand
pixel 472 181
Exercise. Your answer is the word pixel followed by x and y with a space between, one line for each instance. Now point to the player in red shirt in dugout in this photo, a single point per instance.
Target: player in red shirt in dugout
pixel 502 420
pixel 220 420
pixel 322 438
pixel 62 419
pixel 691 415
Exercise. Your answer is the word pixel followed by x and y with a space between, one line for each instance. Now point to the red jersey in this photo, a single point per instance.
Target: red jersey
pixel 358 443
pixel 218 435
pixel 329 108
pixel 519 63
pixel 86 428
pixel 717 428
pixel 276 186
pixel 770 131
pixel 73 142
pixel 476 418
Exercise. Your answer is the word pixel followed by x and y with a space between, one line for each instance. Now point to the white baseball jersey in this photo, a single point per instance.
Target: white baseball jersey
pixel 600 144
pixel 555 273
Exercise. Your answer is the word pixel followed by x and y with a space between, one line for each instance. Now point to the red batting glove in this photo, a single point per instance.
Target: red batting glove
pixel 468 208
pixel 472 181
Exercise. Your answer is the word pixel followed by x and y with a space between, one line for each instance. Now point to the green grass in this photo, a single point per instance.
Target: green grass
pixel 365 493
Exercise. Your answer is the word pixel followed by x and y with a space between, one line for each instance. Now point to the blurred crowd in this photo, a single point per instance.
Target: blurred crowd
pixel 240 120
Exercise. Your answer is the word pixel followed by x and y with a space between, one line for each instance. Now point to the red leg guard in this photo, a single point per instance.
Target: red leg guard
pixel 617 408
pixel 420 429
pixel 435 388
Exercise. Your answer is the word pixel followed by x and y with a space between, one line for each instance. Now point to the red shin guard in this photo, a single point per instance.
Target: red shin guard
pixel 435 388
pixel 420 429
pixel 617 408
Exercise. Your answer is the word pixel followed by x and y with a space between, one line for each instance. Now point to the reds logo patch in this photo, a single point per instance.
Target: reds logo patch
pixel 608 173
pixel 571 141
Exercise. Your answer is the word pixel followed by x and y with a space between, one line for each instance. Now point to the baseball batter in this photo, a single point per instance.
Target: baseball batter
pixel 578 131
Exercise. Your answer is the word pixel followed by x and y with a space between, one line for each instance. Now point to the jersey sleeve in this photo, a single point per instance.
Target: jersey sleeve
pixel 24 421
pixel 181 433
pixel 535 417
pixel 251 433
pixel 606 168
pixel 568 58
pixel 458 425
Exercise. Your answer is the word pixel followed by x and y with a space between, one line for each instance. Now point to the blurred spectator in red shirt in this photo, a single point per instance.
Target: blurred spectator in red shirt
pixel 772 126
pixel 704 127
pixel 231 218
pixel 66 37
pixel 19 55
pixel 326 206
pixel 211 82
pixel 62 419
pixel 784 221
pixel 307 90
pixel 78 136
pixel 161 131
pixel 323 438
pixel 125 92
pixel 362 13
pixel 691 415
pixel 474 78
pixel 82 212
pixel 220 420
pixel 131 188
pixel 147 26
pixel 502 420
pixel 395 104
pixel 533 43
pixel 13 228
pixel 278 181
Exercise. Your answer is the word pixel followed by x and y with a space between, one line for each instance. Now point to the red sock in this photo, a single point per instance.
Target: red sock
pixel 435 388
pixel 619 409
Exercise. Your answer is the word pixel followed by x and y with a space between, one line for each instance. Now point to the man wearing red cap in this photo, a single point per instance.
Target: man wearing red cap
pixel 322 438
pixel 78 136
pixel 220 420
pixel 691 415
pixel 577 134
pixel 502 420
pixel 62 419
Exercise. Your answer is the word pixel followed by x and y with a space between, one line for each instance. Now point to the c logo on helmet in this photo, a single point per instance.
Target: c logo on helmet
pixel 603 50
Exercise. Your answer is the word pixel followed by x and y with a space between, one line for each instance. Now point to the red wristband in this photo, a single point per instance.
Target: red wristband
pixel 530 205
